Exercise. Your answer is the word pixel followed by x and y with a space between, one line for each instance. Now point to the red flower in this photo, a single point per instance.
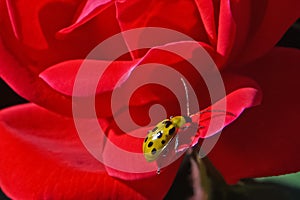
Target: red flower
pixel 44 44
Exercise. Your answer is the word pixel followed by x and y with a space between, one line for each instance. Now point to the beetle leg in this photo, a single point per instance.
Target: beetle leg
pixel 158 171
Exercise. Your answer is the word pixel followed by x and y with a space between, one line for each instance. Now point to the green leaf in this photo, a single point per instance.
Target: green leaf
pixel 286 187
pixel 289 180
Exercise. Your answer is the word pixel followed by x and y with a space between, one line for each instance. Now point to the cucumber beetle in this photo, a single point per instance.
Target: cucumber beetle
pixel 160 136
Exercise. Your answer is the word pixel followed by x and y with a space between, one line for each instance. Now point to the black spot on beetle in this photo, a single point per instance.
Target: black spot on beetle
pixel 159 134
pixel 146 139
pixel 163 141
pixel 172 131
pixel 167 123
pixel 150 144
pixel 153 151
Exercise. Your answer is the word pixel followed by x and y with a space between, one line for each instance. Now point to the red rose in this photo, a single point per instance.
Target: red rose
pixel 44 43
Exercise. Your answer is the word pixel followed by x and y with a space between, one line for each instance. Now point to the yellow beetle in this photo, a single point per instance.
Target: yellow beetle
pixel 158 138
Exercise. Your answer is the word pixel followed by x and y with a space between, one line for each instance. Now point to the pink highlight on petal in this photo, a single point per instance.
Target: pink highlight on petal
pixel 207 13
pixel 226 29
pixel 90 10
pixel 12 16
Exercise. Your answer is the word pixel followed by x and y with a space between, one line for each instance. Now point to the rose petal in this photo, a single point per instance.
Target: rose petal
pixel 166 14
pixel 41 21
pixel 264 141
pixel 236 103
pixel 57 75
pixel 34 89
pixel 269 21
pixel 127 75
pixel 43 157
pixel 20 65
pixel 28 85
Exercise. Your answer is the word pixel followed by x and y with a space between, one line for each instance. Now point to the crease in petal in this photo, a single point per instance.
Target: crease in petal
pixel 26 23
pixel 88 10
pixel 34 38
pixel 207 13
pixel 226 29
pixel 241 16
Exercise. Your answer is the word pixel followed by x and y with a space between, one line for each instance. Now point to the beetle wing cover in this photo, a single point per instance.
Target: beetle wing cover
pixel 157 139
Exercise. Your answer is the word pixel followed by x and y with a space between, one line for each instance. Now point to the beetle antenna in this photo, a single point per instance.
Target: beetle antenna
pixel 214 111
pixel 186 96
